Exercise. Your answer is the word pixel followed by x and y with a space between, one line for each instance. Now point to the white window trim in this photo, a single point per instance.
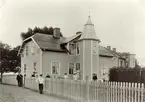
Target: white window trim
pixel 33 50
pixel 58 69
pixel 79 48
pixel 94 47
pixel 74 67
pixel 69 50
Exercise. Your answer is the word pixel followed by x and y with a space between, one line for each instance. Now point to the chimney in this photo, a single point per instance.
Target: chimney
pixel 114 49
pixel 109 47
pixel 56 33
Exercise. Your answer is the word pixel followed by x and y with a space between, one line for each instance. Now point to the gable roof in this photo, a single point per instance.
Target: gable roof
pixel 48 42
pixel 104 52
pixel 69 39
pixel 117 54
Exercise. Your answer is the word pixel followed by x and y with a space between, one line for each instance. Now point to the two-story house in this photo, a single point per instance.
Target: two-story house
pixel 57 55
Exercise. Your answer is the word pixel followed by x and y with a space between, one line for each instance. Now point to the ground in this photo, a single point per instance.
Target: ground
pixel 17 94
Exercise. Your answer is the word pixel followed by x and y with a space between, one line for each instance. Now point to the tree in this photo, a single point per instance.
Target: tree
pixel 9 59
pixel 43 30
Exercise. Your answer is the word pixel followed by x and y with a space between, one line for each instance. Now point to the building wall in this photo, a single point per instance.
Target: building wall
pixel 95 60
pixel 105 64
pixel 30 59
pixel 132 60
pixel 63 58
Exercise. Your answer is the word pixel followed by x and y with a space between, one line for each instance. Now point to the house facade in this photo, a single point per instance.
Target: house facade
pixel 56 55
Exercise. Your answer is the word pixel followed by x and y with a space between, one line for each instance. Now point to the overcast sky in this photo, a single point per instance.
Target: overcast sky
pixel 119 23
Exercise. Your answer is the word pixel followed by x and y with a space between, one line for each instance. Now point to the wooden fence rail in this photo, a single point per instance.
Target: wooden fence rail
pixel 82 91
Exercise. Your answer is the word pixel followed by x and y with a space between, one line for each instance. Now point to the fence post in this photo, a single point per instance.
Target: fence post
pixel 142 92
pixel 87 88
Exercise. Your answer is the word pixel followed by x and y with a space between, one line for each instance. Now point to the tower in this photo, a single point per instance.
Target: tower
pixel 89 51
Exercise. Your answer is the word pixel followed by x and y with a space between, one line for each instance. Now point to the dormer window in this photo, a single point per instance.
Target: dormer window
pixel 77 48
pixel 72 48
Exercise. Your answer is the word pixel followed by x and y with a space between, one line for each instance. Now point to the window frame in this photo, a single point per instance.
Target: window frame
pixel 77 45
pixel 76 66
pixel 74 49
pixel 25 68
pixel 33 50
pixel 69 68
pixel 58 68
pixel 27 50
pixel 95 48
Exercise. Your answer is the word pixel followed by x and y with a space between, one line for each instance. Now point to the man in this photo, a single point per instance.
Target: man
pixel 48 76
pixel 95 77
pixel 75 77
pixel 40 80
pixel 19 79
pixel 65 76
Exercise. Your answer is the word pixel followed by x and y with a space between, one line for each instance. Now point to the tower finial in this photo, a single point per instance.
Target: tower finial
pixel 89 19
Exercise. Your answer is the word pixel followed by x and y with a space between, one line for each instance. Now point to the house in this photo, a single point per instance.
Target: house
pixel 81 52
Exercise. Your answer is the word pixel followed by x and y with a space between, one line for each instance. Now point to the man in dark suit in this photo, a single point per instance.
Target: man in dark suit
pixel 20 79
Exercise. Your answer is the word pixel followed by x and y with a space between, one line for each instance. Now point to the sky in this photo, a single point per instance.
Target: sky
pixel 118 23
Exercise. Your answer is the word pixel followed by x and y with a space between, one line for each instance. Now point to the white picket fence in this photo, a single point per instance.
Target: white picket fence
pixel 82 91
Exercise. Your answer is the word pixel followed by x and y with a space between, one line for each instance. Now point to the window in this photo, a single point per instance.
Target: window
pixel 71 68
pixel 77 48
pixel 24 68
pixel 55 67
pixel 26 50
pixel 95 47
pixel 32 50
pixel 72 48
pixel 121 63
pixel 34 66
pixel 77 66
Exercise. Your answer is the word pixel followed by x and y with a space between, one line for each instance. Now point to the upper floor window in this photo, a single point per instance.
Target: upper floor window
pixel 77 48
pixel 55 67
pixel 95 47
pixel 33 50
pixel 72 48
pixel 26 50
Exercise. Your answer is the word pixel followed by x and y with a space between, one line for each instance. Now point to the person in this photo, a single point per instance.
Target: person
pixel 40 80
pixel 47 76
pixel 75 77
pixel 33 75
pixel 95 77
pixel 65 76
pixel 19 79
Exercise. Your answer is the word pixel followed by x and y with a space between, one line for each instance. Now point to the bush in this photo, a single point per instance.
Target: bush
pixel 127 75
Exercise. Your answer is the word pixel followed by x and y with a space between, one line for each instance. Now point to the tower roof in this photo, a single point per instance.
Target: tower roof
pixel 89 22
pixel 89 31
